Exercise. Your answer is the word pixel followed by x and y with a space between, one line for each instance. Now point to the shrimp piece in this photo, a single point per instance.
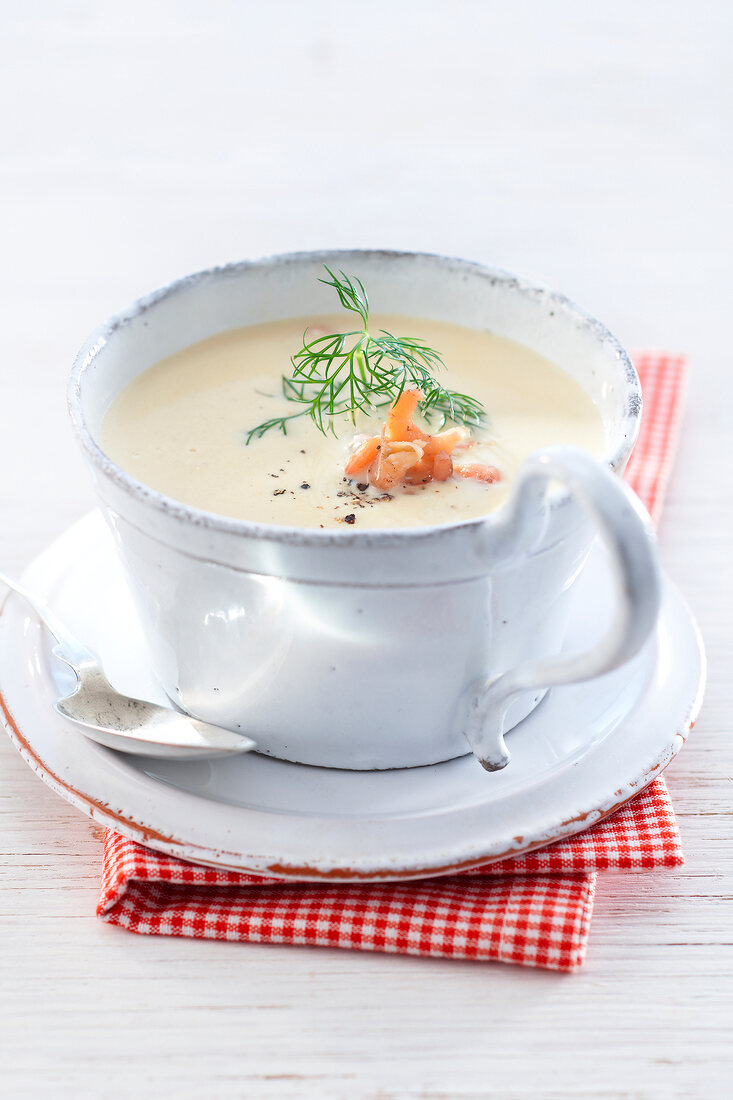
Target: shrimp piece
pixel 392 466
pixel 434 466
pixel 406 460
pixel 488 474
pixel 446 441
pixel 363 456
pixel 420 473
pixel 378 470
pixel 442 466
pixel 399 418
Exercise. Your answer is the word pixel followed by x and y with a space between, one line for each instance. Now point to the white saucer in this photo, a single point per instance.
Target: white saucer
pixel 583 752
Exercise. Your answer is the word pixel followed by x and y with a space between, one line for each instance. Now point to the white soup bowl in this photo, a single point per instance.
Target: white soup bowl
pixel 389 648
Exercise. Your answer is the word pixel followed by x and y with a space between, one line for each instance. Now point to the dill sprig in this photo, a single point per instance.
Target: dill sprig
pixel 351 371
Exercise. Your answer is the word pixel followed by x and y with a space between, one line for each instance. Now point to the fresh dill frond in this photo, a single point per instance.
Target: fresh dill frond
pixel 346 372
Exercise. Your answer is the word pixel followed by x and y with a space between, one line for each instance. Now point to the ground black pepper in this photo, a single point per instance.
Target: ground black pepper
pixel 351 518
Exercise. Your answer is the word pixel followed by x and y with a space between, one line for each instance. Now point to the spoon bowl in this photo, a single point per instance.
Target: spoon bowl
pixel 118 721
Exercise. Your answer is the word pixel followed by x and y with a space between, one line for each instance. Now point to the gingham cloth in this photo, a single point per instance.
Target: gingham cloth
pixel 534 910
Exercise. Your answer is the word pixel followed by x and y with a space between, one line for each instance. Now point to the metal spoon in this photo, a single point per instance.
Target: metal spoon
pixel 118 721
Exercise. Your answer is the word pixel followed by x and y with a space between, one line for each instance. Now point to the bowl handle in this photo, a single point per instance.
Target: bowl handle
pixel 626 529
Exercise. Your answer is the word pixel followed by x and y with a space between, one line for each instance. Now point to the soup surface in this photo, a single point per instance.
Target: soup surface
pixel 181 427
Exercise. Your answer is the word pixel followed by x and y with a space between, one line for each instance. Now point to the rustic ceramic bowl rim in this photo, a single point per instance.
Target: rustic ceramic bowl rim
pixel 627 433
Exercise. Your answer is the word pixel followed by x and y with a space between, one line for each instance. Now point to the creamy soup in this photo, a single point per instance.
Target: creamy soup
pixel 181 427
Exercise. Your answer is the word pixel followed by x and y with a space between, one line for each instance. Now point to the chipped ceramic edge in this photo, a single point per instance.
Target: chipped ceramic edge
pixel 627 433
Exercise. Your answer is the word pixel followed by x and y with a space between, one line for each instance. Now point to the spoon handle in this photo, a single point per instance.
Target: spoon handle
pixel 73 650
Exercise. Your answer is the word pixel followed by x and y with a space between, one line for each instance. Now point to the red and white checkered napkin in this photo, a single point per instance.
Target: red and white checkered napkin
pixel 534 910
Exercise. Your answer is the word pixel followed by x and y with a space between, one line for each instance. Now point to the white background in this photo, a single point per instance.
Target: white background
pixel 587 145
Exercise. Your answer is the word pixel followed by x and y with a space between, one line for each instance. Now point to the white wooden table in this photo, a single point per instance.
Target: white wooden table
pixel 585 145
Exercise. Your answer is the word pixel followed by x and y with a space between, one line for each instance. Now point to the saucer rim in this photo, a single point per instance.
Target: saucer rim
pixel 127 824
